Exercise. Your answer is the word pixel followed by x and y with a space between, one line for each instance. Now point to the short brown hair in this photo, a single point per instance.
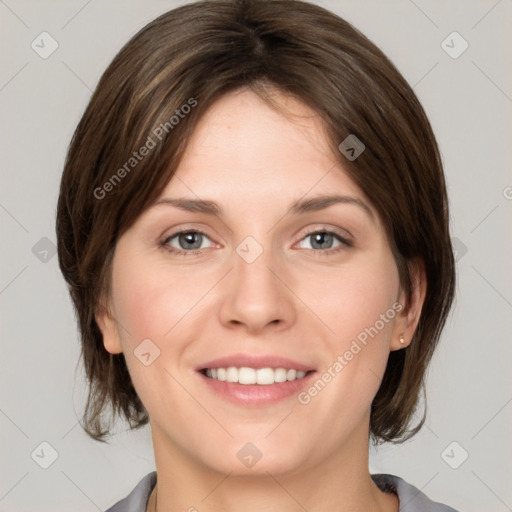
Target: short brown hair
pixel 195 54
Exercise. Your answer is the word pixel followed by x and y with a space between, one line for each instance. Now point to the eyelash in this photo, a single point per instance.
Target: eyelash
pixel 345 243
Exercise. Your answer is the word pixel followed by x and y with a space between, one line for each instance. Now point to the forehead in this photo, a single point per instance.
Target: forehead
pixel 244 147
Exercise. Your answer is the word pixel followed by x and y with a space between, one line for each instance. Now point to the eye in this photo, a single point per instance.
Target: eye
pixel 324 240
pixel 188 241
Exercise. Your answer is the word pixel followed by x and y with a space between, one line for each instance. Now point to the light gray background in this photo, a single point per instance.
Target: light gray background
pixel 469 102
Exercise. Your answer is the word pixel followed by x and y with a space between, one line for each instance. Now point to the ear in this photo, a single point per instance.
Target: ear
pixel 108 327
pixel 407 319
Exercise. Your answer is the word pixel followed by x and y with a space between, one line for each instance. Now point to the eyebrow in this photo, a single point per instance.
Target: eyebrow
pixel 300 206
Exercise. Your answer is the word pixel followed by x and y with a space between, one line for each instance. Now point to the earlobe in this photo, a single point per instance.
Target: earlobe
pixel 408 319
pixel 108 327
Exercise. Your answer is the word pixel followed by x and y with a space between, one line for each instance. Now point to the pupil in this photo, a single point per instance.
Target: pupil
pixel 324 240
pixel 188 238
pixel 320 240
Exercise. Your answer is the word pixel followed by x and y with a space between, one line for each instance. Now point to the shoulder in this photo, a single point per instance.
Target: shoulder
pixel 411 498
pixel 137 500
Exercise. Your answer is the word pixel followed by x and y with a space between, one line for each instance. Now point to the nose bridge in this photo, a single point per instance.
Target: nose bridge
pixel 256 297
pixel 252 263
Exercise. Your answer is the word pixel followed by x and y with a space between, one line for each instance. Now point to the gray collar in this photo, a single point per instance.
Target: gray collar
pixel 411 499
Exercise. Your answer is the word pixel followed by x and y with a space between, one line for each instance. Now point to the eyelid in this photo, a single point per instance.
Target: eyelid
pixel 344 234
pixel 165 239
pixel 344 240
pixel 321 228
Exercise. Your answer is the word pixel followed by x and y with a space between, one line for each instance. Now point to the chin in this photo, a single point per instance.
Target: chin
pixel 256 458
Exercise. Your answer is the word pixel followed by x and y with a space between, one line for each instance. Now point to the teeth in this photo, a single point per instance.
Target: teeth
pixel 232 374
pixel 280 375
pixel 247 375
pixel 263 376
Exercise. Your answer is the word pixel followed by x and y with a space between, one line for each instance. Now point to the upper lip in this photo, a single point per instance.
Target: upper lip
pixel 255 361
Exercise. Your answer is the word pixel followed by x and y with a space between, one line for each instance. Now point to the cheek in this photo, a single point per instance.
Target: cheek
pixel 153 304
pixel 351 300
pixel 359 311
pixel 151 301
pixel 367 304
pixel 140 309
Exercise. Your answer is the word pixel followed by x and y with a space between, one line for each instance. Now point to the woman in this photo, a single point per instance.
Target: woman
pixel 253 224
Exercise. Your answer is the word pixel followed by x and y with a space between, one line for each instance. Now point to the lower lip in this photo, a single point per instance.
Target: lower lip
pixel 256 395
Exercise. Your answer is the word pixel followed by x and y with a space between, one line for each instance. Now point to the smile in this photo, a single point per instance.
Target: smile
pixel 255 380
pixel 261 376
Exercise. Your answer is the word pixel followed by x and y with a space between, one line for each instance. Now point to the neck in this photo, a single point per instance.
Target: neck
pixel 342 483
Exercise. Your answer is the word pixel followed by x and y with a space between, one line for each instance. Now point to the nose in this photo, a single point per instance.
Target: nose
pixel 256 296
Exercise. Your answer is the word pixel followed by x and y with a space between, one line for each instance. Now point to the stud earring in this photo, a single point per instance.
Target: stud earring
pixel 402 340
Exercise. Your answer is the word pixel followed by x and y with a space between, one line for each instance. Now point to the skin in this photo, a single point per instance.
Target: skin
pixel 294 300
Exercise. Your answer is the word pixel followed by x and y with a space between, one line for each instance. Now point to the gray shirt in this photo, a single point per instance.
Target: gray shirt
pixel 411 499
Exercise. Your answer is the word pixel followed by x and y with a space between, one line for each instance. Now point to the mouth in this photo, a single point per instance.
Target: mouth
pixel 260 376
pixel 254 381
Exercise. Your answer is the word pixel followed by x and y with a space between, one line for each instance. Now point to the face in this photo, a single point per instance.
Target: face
pixel 307 294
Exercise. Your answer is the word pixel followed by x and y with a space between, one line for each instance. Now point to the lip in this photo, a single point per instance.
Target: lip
pixel 256 362
pixel 254 395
